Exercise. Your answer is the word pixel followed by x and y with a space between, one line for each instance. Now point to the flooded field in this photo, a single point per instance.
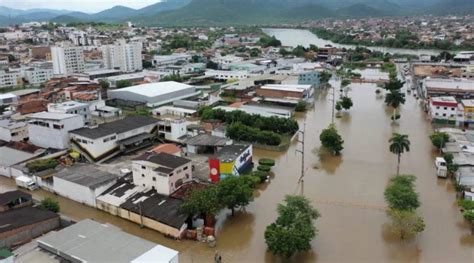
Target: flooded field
pixel 347 190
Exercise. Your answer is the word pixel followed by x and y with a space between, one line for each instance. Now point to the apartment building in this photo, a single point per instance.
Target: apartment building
pixel 67 59
pixel 9 78
pixel 126 57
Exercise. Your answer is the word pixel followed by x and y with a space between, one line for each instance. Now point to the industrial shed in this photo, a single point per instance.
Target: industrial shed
pixel 154 94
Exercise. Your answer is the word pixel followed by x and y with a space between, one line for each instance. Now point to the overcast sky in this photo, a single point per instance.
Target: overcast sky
pixel 75 5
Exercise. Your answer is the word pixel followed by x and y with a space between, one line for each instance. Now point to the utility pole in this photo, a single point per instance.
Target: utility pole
pixel 301 179
pixel 141 214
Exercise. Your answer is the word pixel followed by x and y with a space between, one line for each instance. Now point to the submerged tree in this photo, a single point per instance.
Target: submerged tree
pixel 406 224
pixel 400 193
pixel 399 143
pixel 235 191
pixel 394 99
pixel 331 140
pixel 294 229
pixel 439 139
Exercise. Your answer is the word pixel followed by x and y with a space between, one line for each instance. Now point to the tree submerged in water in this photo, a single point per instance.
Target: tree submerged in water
pixel 331 140
pixel 294 229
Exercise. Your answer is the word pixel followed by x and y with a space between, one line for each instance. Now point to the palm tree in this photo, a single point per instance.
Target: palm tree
pixel 399 143
pixel 394 98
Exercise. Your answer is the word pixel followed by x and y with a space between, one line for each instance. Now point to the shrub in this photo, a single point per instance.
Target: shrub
pixel 439 139
pixel 261 175
pixel 266 161
pixel 264 168
pixel 41 165
pixel 50 204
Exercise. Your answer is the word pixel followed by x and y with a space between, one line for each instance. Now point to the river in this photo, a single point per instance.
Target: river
pixel 295 37
pixel 347 190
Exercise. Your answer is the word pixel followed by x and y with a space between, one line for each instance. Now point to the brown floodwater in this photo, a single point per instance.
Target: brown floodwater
pixel 347 190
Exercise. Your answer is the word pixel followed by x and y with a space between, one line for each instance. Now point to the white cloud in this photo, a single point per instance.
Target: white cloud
pixel 76 5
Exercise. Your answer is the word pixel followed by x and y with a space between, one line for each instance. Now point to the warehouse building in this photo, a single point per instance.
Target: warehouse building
pixel 90 241
pixel 154 94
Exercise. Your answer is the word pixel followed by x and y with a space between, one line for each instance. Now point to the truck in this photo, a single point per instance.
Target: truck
pixel 26 182
pixel 441 167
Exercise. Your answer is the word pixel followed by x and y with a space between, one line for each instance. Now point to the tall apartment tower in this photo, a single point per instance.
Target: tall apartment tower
pixel 67 59
pixel 124 56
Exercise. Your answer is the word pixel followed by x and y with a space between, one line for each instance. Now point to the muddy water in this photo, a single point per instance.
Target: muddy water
pixel 348 191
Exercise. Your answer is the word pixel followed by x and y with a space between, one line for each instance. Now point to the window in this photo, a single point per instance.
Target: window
pixel 154 179
pixel 445 108
pixel 437 107
pixel 444 114
pixel 171 174
pixel 143 175
pixel 185 168
pixel 143 167
pixel 452 108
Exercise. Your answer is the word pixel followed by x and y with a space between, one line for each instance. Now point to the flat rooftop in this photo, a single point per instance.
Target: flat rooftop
pixel 52 115
pixel 90 241
pixel 155 89
pixel 25 216
pixel 67 105
pixel 287 87
pixel 460 84
pixel 229 153
pixel 86 175
pixel 116 127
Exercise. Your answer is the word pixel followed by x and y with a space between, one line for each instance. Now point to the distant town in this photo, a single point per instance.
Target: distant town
pixel 121 143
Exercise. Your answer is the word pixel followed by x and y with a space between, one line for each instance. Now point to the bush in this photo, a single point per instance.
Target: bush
pixel 301 106
pixel 240 132
pixel 331 140
pixel 400 193
pixel 41 165
pixel 261 175
pixel 466 204
pixel 439 139
pixel 266 161
pixel 264 168
pixel 50 204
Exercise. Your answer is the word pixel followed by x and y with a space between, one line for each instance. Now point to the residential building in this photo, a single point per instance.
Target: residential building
pixel 443 108
pixel 24 224
pixel 172 129
pixel 468 112
pixel 109 139
pixel 90 241
pixel 13 131
pixel 231 160
pixel 71 107
pixel 174 111
pixel 154 94
pixel 467 72
pixel 51 130
pixel 9 78
pixel 162 172
pixel 126 57
pixel 309 78
pixel 67 59
pixel 37 75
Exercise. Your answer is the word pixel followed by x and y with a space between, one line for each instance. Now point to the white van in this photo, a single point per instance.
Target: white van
pixel 441 167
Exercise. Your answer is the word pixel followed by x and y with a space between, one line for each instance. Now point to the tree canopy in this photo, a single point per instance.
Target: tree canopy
pixel 439 139
pixel 331 140
pixel 294 229
pixel 400 193
pixel 235 191
pixel 50 204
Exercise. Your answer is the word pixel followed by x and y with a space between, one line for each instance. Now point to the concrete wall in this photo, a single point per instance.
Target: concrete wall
pixel 54 138
pixel 153 224
pixel 26 233
pixel 79 193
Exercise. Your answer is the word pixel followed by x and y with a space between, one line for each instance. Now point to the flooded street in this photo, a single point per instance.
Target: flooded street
pixel 347 190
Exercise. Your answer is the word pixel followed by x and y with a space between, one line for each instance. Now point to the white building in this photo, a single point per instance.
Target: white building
pixel 36 76
pixel 79 38
pixel 172 130
pixel 161 60
pixel 67 59
pixel 82 183
pixel 163 172
pixel 154 94
pixel 13 131
pixel 126 57
pixel 98 143
pixel 227 74
pixel 9 78
pixel 260 110
pixel 71 107
pixel 443 108
pixel 8 98
pixel 51 130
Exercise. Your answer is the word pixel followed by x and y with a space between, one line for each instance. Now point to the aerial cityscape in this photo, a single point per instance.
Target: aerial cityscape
pixel 237 131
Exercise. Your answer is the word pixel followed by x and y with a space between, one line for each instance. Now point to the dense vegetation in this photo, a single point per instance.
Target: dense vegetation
pixel 50 204
pixel 403 39
pixel 331 140
pixel 41 165
pixel 273 124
